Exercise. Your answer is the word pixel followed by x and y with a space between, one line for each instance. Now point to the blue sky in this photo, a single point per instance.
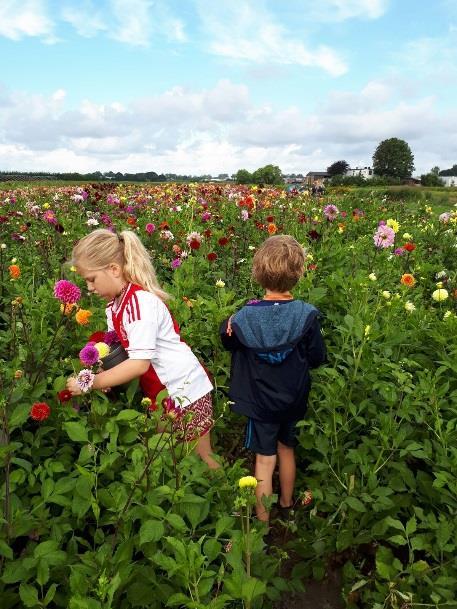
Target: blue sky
pixel 211 86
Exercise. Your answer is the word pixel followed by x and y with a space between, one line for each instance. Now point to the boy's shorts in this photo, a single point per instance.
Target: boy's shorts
pixel 262 438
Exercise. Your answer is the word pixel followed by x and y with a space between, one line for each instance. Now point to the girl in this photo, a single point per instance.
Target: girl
pixel 118 268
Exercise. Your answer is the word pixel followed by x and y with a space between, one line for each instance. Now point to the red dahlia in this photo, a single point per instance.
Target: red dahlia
pixel 64 396
pixel 212 256
pixel 40 411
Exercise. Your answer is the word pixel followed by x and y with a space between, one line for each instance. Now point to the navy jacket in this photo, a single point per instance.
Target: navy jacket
pixel 273 348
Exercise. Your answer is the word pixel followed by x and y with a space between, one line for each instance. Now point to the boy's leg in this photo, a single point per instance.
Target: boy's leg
pixel 264 468
pixel 262 439
pixel 287 470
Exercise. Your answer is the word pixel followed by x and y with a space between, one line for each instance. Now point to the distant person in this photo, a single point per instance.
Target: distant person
pixel 274 343
pixel 117 267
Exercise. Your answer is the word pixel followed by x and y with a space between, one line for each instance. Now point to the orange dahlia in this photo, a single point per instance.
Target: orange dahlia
pixel 408 280
pixel 82 317
pixel 15 271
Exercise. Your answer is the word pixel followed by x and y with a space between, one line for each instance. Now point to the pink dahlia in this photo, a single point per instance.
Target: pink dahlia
pixel 384 236
pixel 67 292
pixel 89 355
pixel 331 212
pixel 150 228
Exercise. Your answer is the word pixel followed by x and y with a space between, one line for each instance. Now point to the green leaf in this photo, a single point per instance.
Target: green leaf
pixel 252 588
pixel 19 415
pixel 45 548
pixel 224 523
pixel 411 526
pixel 29 595
pixel 177 522
pixel 42 572
pixel 177 599
pixel 355 504
pixel 131 390
pixel 76 431
pixel 127 415
pixel 211 548
pixel 359 585
pixel 152 530
pixel 5 550
pixel 50 594
pixel 398 540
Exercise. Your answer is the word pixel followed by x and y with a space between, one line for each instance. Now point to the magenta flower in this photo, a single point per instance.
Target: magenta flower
pixel 110 337
pixel 176 263
pixel 206 215
pixel 89 355
pixel 50 216
pixel 331 212
pixel 384 236
pixel 67 292
pixel 399 251
pixel 150 228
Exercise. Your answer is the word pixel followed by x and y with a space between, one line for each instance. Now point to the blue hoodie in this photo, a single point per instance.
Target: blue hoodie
pixel 273 348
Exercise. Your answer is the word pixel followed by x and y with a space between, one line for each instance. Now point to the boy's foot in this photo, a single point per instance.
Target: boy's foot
pixel 285 512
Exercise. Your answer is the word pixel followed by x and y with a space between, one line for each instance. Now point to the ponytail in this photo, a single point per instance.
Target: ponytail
pixel 138 267
pixel 102 247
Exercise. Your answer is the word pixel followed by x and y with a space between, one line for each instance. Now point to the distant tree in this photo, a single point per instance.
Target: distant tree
pixel 449 172
pixel 242 176
pixel 393 158
pixel 338 168
pixel 435 170
pixel 431 179
pixel 270 174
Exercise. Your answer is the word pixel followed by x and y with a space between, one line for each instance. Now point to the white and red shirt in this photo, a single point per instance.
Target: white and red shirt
pixel 147 330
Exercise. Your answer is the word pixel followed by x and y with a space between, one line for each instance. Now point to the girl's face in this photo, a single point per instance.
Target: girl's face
pixel 106 283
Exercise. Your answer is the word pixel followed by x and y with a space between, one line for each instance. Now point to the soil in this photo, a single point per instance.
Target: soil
pixel 325 594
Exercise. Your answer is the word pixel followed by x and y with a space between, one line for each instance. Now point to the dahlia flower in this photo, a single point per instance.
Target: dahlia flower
pixel 66 291
pixel 384 236
pixel 89 355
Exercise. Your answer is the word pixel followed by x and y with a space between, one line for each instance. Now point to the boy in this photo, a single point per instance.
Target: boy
pixel 274 342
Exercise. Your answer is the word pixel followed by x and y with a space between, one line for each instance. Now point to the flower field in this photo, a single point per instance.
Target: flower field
pixel 102 509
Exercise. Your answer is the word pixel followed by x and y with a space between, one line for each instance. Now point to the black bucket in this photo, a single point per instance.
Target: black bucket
pixel 114 357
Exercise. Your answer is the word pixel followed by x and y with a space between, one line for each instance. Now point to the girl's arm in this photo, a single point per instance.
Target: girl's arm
pixel 228 337
pixel 120 374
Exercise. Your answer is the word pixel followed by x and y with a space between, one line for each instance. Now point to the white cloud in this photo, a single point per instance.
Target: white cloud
pixel 87 20
pixel 19 18
pixel 133 21
pixel 340 10
pixel 248 32
pixel 218 130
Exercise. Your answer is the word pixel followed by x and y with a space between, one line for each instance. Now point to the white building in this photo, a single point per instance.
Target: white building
pixel 449 180
pixel 365 172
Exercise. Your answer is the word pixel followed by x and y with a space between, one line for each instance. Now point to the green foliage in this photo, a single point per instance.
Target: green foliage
pixel 393 158
pixel 431 179
pixel 338 168
pixel 103 509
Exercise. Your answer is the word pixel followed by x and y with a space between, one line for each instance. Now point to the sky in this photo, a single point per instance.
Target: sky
pixel 211 86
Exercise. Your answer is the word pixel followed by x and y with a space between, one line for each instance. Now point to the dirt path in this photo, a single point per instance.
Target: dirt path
pixel 325 594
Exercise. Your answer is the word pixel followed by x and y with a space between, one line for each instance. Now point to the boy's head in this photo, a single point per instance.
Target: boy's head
pixel 278 263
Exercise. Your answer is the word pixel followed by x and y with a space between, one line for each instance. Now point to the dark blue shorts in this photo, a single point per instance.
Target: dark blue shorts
pixel 262 438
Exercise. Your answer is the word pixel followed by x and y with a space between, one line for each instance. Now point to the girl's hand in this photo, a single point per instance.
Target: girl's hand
pixel 73 386
pixel 229 326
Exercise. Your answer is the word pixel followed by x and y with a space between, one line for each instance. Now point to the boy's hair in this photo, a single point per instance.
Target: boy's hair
pixel 278 263
pixel 102 247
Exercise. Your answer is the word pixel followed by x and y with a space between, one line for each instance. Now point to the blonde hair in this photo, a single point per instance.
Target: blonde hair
pixel 278 263
pixel 102 247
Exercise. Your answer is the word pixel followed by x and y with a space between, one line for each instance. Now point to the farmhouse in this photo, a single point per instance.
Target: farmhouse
pixel 449 180
pixel 364 172
pixel 316 177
